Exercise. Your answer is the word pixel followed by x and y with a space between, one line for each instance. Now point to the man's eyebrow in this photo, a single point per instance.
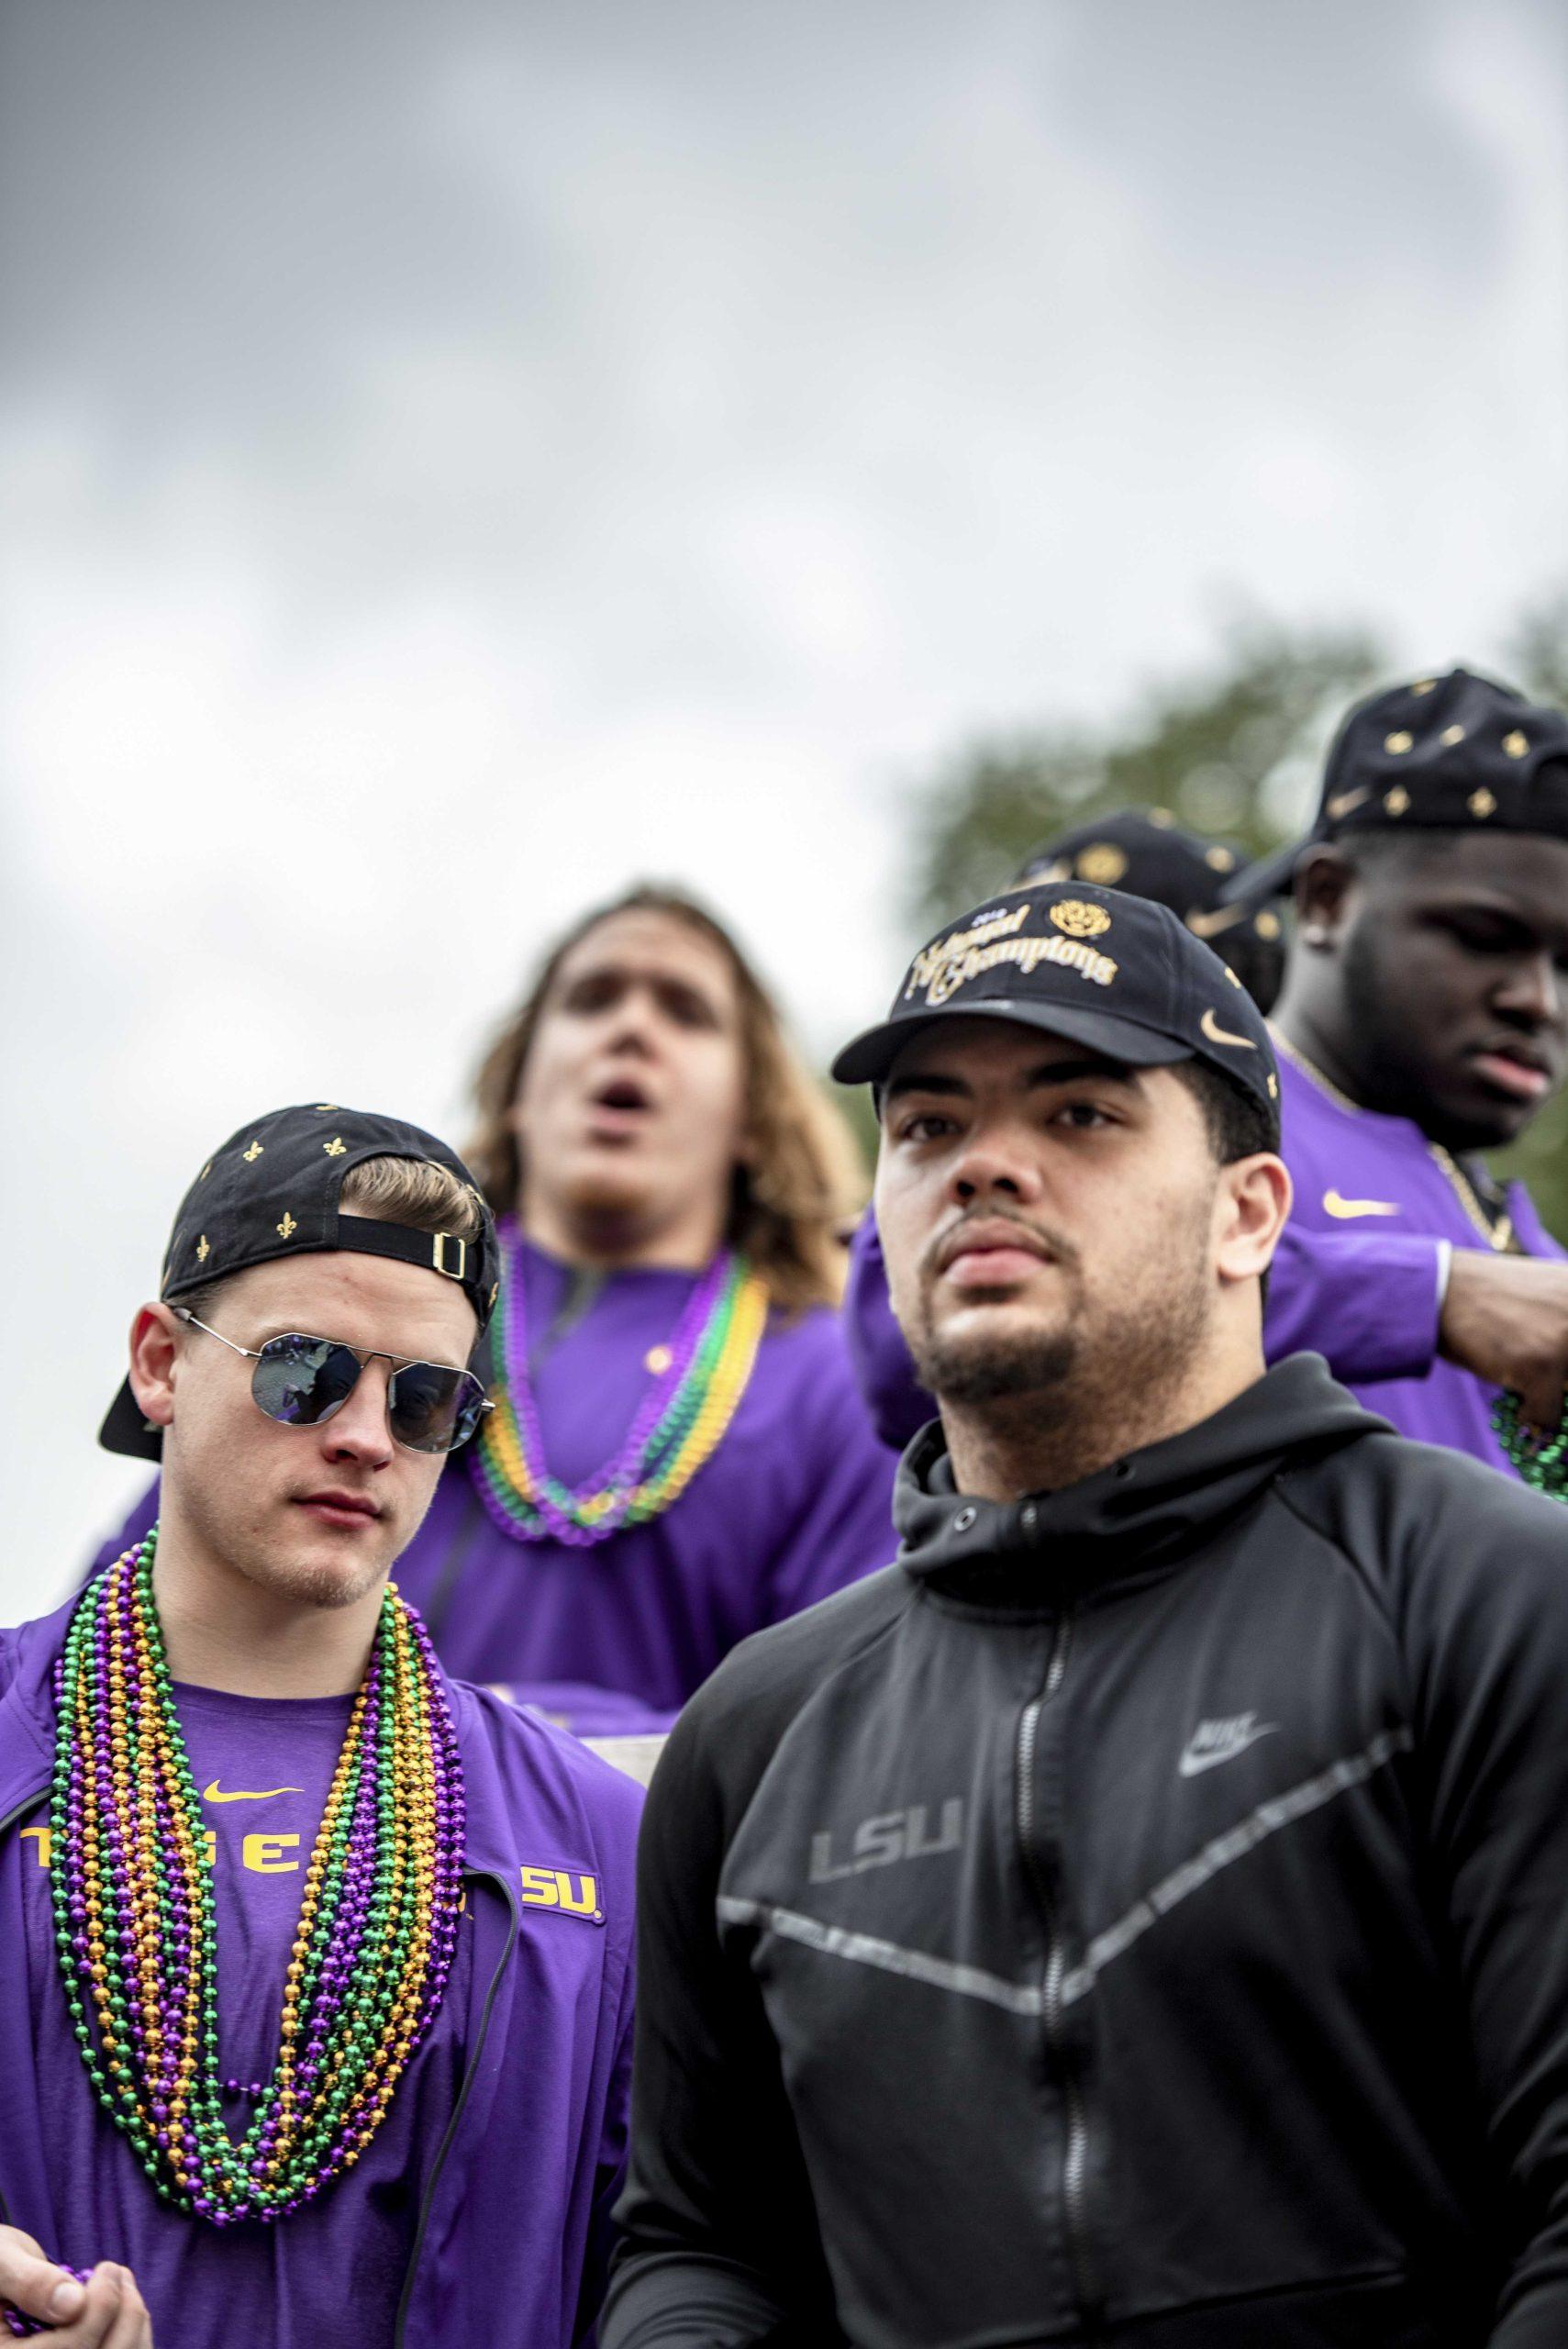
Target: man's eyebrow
pixel 943 1082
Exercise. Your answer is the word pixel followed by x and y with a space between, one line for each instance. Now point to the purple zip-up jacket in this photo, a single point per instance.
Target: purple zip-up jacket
pixel 513 2234
pixel 1361 1288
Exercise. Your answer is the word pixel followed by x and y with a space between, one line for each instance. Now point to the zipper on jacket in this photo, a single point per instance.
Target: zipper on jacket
pixel 1075 2157
pixel 427 2199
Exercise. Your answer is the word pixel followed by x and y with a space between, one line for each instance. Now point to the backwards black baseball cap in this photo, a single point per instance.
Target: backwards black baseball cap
pixel 1120 974
pixel 1455 753
pixel 273 1190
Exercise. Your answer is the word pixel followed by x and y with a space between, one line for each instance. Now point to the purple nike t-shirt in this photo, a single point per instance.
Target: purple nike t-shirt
pixel 264 1766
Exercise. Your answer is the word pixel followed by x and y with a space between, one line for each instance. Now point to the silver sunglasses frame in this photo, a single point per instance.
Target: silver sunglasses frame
pixel 362 1355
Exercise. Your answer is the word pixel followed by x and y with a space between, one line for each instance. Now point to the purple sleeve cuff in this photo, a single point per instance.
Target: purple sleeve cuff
pixel 1367 1301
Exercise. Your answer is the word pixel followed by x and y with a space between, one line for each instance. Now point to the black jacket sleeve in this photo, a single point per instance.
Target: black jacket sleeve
pixel 721 2248
pixel 1487 1640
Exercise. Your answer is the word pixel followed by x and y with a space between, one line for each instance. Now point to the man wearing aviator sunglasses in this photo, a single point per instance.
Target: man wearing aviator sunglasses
pixel 430 1406
pixel 315 2002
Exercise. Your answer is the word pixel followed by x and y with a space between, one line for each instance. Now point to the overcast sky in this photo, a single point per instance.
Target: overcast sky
pixel 457 458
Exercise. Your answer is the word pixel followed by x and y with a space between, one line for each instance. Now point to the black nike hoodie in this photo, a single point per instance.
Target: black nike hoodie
pixel 1139 1915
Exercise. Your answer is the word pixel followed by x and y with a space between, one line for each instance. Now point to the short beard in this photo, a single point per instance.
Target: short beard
pixel 1046 1408
pixel 1029 1363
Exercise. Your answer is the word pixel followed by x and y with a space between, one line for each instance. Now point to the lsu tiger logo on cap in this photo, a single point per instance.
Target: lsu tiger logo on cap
pixel 1079 918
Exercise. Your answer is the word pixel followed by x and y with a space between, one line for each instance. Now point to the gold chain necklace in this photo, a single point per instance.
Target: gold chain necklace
pixel 1499 1236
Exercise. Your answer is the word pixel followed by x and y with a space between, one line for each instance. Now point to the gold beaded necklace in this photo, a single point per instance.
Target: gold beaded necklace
pixel 1499 1235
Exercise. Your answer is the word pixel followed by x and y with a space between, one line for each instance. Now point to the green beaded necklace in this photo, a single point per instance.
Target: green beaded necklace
pixel 1543 1462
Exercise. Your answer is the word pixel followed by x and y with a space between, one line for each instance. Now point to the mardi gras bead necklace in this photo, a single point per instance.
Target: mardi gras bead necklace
pixel 682 1420
pixel 1543 1464
pixel 136 1922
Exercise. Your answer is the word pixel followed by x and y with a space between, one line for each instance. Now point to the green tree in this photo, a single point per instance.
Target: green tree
pixel 1235 751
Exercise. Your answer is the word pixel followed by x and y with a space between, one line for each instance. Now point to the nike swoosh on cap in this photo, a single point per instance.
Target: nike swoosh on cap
pixel 211 1794
pixel 1336 1204
pixel 1346 800
pixel 1218 1035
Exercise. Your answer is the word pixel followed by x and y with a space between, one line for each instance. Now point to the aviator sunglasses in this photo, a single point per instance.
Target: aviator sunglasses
pixel 302 1381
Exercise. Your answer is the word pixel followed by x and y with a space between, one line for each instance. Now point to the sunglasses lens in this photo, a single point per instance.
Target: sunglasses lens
pixel 434 1410
pixel 302 1380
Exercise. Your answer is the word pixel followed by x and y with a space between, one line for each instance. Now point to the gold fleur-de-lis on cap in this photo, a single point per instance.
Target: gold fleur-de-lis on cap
pixel 1218 859
pixel 1516 744
pixel 1273 1086
pixel 1396 800
pixel 1424 686
pixel 253 1154
pixel 203 1249
pixel 336 1147
pixel 1482 802
pixel 1450 735
pixel 288 1226
pixel 1267 924
pixel 1398 740
pixel 323 1106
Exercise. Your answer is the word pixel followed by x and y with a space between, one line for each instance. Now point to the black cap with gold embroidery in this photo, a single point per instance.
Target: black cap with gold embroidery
pixel 1146 852
pixel 1455 753
pixel 273 1190
pixel 1118 974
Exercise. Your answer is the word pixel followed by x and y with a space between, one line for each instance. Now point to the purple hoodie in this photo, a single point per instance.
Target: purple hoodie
pixel 524 2118
pixel 1356 1279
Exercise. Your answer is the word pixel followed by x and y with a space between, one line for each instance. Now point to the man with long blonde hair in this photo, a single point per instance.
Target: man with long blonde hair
pixel 678 1455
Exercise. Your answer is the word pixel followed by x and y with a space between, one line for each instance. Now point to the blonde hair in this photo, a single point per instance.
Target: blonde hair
pixel 806 1178
pixel 414 1191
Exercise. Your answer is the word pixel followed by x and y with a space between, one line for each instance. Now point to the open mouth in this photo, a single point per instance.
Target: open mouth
pixel 1518 1070
pixel 618 1108
pixel 622 1093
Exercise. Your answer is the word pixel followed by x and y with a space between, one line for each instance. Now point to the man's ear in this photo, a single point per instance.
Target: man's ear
pixel 1250 1207
pixel 156 1340
pixel 1324 884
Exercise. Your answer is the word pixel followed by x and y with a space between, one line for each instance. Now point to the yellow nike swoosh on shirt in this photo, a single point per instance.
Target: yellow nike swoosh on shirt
pixel 1335 1205
pixel 1218 1035
pixel 211 1794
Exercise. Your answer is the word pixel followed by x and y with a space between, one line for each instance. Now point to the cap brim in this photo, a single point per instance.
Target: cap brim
pixel 1270 877
pixel 867 1058
pixel 125 1430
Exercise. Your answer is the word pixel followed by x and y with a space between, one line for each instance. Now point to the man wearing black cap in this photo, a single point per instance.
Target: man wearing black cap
pixel 1145 853
pixel 315 1995
pixel 1136 1917
pixel 1424 1020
